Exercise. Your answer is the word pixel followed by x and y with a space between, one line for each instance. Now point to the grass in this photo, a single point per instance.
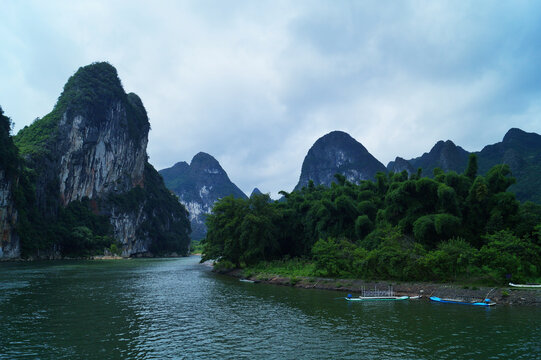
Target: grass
pixel 289 268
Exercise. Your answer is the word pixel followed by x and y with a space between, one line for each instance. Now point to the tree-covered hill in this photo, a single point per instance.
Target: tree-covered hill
pixel 450 227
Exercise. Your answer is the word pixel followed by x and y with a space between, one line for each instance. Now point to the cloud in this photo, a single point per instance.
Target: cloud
pixel 256 83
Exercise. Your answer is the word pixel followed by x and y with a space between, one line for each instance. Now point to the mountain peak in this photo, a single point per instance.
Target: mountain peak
pixel 256 191
pixel 339 138
pixel 198 186
pixel 337 152
pixel 522 138
pixel 204 162
pixel 443 145
pixel 203 157
pixel 445 155
pixel 399 165
pixel 97 82
pixel 514 133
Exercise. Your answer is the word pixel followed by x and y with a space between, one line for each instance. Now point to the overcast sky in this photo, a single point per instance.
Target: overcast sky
pixel 255 83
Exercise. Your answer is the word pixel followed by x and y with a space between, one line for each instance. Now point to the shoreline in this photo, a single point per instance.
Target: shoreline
pixel 93 257
pixel 501 295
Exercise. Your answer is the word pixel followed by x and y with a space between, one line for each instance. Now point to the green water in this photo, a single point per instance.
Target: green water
pixel 176 308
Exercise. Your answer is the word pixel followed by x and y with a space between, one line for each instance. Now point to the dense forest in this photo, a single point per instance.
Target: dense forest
pixel 452 227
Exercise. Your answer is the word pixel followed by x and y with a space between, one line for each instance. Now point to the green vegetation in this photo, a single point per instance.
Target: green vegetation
pixel 77 231
pixel 454 227
pixel 80 230
pixel 196 247
pixel 9 156
pixel 293 268
pixel 168 226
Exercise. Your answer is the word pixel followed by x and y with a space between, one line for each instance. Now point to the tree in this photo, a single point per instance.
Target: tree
pixel 471 169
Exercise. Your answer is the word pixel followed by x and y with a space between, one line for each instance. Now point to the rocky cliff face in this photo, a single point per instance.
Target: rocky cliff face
pixel 198 186
pixel 9 243
pixel 95 149
pixel 338 152
pixel 99 156
pixel 9 176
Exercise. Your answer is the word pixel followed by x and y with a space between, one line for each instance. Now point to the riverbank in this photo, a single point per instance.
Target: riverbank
pixel 501 295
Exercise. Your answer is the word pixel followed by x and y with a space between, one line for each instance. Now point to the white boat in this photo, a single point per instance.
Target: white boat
pixel 525 285
pixel 377 295
pixel 377 298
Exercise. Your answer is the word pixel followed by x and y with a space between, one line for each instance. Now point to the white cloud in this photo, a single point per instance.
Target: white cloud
pixel 256 83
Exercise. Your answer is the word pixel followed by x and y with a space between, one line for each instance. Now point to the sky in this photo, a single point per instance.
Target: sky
pixel 256 83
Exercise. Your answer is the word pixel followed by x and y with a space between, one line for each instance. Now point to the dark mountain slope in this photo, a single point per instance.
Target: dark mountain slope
pixel 198 186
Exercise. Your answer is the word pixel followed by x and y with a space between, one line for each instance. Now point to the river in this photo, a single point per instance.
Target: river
pixel 178 309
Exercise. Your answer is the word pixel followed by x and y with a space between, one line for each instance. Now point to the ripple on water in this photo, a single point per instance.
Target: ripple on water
pixel 156 309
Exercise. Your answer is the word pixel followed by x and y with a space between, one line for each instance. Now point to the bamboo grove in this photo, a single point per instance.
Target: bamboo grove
pixel 452 227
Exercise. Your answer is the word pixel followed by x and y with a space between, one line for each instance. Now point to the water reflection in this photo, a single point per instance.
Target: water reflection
pixel 176 308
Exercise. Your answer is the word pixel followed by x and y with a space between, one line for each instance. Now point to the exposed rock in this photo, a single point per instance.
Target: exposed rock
pixel 9 243
pixel 9 177
pixel 338 153
pixel 99 157
pixel 198 186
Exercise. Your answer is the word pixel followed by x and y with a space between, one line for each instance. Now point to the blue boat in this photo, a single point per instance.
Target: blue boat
pixel 485 302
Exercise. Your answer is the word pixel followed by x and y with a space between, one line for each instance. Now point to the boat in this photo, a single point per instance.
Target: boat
pixel 377 295
pixel 376 298
pixel 536 286
pixel 247 281
pixel 486 302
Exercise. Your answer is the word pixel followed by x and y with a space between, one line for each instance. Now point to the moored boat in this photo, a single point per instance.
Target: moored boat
pixel 247 281
pixel 486 302
pixel 377 298
pixel 377 295
pixel 536 286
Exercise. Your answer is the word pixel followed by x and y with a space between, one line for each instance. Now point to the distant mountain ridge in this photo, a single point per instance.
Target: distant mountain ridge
pixel 199 185
pixel 338 152
pixel 518 149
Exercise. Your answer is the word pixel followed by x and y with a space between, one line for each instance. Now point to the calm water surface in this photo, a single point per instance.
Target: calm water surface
pixel 176 308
